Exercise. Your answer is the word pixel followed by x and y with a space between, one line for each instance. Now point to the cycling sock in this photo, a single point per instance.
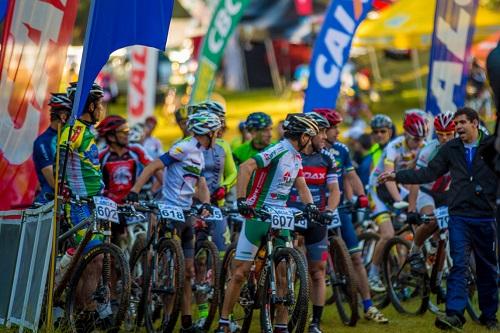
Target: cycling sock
pixel 374 270
pixel 317 312
pixel 415 248
pixel 278 328
pixel 203 310
pixel 367 303
pixel 186 321
pixel 223 322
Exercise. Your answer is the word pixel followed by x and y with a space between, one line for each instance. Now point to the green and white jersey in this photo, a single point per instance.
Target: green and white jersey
pixel 278 167
pixel 83 174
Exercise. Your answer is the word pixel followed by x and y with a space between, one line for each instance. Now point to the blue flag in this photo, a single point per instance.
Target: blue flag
pixel 451 42
pixel 114 24
pixel 331 51
pixel 3 8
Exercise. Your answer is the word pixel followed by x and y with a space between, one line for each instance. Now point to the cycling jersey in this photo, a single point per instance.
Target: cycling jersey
pixel 121 172
pixel 184 164
pixel 319 171
pixel 83 171
pixel 425 155
pixel 279 165
pixel 43 156
pixel 220 169
pixel 344 164
pixel 397 154
pixel 245 151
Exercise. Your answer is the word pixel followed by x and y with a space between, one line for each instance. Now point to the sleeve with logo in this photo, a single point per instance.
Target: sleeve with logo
pixel 272 153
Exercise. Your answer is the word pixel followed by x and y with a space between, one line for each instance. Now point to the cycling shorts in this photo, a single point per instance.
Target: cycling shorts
pixel 316 242
pixel 377 206
pixel 349 233
pixel 77 214
pixel 253 233
pixel 423 200
pixel 186 234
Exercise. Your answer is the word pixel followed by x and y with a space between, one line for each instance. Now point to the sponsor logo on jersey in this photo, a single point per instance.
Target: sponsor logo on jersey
pixel 315 175
pixel 122 175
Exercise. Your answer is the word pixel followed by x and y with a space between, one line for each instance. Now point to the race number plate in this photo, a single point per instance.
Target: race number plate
pixel 442 217
pixel 301 222
pixel 336 223
pixel 171 213
pixel 106 209
pixel 216 215
pixel 282 218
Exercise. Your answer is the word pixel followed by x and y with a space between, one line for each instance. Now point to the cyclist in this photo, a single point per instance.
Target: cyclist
pixel 43 152
pixel 121 163
pixel 431 195
pixel 259 125
pixel 242 138
pixel 137 134
pixel 399 154
pixel 348 178
pixel 273 171
pixel 321 178
pixel 151 144
pixel 184 165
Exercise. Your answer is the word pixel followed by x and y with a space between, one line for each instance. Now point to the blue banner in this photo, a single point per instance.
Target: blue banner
pixel 3 9
pixel 451 42
pixel 114 24
pixel 331 51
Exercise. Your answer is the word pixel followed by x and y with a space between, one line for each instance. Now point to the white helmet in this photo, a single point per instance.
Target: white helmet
pixel 203 122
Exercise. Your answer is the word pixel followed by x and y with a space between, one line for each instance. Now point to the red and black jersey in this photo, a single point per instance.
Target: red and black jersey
pixel 120 172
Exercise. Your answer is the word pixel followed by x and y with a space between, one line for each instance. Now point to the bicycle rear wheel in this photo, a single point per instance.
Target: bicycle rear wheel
pixel 292 291
pixel 206 287
pixel 408 293
pixel 243 309
pixel 163 298
pixel 99 290
pixel 343 282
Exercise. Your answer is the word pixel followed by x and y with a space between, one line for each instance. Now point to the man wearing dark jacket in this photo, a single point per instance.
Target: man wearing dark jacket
pixel 471 204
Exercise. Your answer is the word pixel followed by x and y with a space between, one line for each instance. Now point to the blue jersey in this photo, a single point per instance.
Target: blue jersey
pixel 43 156
pixel 344 164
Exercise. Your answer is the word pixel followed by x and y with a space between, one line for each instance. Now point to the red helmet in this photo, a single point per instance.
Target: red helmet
pixel 443 122
pixel 333 117
pixel 110 124
pixel 416 124
pixel 151 119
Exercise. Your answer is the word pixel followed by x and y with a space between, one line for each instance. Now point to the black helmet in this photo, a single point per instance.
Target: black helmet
pixel 319 119
pixel 298 123
pixel 95 92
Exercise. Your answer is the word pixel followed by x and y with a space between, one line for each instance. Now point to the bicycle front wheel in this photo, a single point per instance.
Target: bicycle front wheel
pixel 409 293
pixel 343 282
pixel 163 287
pixel 288 299
pixel 99 290
pixel 138 262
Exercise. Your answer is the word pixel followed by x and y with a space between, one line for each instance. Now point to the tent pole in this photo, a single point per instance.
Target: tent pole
pixel 418 78
pixel 374 63
pixel 273 66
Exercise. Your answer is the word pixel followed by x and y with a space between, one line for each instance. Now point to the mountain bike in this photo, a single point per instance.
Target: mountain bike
pixel 412 293
pixel 96 282
pixel 278 279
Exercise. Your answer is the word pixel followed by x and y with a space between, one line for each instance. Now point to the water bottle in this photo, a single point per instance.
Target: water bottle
pixel 63 264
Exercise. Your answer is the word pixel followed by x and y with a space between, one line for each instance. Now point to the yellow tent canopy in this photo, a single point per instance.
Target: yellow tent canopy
pixel 408 24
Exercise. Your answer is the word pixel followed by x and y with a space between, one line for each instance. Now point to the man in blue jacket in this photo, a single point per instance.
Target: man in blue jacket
pixel 472 209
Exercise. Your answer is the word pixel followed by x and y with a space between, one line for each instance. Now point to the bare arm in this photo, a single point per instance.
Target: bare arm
pixel 146 174
pixel 304 193
pixel 355 181
pixel 48 173
pixel 391 185
pixel 245 173
pixel 334 198
pixel 203 192
pixel 412 198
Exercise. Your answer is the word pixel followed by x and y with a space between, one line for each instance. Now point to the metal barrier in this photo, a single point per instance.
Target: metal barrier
pixel 32 253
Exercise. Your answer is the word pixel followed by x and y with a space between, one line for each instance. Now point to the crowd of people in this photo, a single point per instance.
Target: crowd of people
pixel 309 169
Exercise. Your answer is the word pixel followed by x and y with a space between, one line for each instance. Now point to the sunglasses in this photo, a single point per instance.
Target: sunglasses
pixel 381 131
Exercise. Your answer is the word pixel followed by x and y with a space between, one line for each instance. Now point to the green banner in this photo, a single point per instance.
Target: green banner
pixel 226 17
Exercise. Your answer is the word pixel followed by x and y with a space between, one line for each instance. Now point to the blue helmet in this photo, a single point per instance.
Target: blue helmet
pixel 258 120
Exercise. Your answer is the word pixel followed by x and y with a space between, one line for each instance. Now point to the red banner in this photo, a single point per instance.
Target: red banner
pixel 37 34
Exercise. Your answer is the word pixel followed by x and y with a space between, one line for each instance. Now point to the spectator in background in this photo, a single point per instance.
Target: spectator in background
pixel 280 130
pixel 478 96
pixel 355 110
pixel 243 137
pixel 152 145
